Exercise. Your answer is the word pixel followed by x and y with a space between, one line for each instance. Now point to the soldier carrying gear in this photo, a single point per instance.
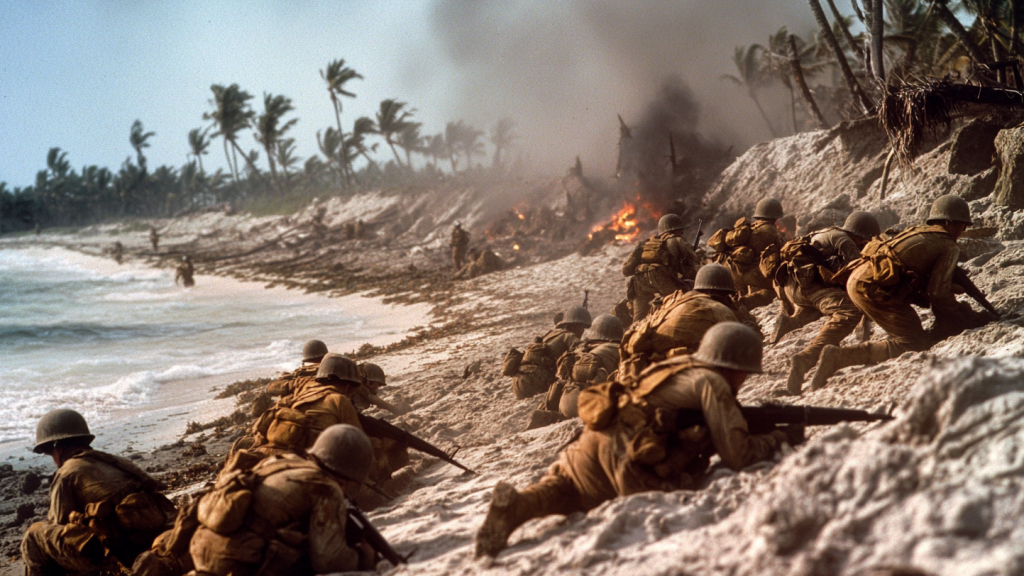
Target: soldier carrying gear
pixel 101 505
pixel 185 273
pixel 533 371
pixel 631 442
pixel 678 325
pixel 659 266
pixel 915 266
pixel 483 262
pixel 591 361
pixel 745 247
pixel 154 238
pixel 312 353
pixel 803 283
pixel 289 514
pixel 367 393
pixel 459 243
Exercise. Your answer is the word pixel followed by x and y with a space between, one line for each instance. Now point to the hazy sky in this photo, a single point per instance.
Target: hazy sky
pixel 77 74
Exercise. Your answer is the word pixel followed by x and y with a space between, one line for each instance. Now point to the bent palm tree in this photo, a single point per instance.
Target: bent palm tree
pixel 231 114
pixel 751 76
pixel 502 136
pixel 198 143
pixel 139 140
pixel 410 141
pixel 270 130
pixel 336 75
pixel 844 66
pixel 393 120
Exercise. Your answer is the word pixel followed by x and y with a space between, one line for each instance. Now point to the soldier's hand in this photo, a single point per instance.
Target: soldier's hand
pixel 367 556
pixel 795 434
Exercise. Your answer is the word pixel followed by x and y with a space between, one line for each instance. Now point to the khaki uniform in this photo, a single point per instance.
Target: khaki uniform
pixel 812 299
pixel 661 272
pixel 185 272
pixel 929 255
pixel 321 406
pixel 675 328
pixel 294 524
pixel 82 522
pixel 533 379
pixel 754 288
pixel 485 263
pixel 589 362
pixel 289 383
pixel 604 464
pixel 459 243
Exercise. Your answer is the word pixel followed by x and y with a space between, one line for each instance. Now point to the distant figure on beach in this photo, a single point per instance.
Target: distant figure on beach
pixel 185 272
pixel 154 238
pixel 480 262
pixel 38 230
pixel 118 252
pixel 459 243
pixel 100 504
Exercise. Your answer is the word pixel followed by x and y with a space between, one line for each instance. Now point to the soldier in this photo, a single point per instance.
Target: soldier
pixel 100 505
pixel 459 243
pixel 118 252
pixel 743 248
pixel 294 519
pixel 659 266
pixel 359 231
pixel 366 395
pixel 154 238
pixel 678 325
pixel 312 353
pixel 914 267
pixel 803 289
pixel 483 262
pixel 630 445
pixel 185 273
pixel 536 370
pixel 592 361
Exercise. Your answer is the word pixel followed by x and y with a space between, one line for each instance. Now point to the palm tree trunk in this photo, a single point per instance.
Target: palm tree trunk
pixel 200 158
pixel 877 31
pixel 954 25
pixel 248 160
pixel 792 107
pixel 1013 35
pixel 393 151
pixel 997 56
pixel 801 82
pixel 764 116
pixel 845 29
pixel 273 169
pixel 227 155
pixel 341 135
pixel 451 158
pixel 844 66
pixel 408 159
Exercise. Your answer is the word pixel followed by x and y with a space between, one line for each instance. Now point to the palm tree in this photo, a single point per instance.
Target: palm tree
pixel 452 141
pixel 837 51
pixel 436 148
pixel 231 114
pixel 502 136
pixel 362 127
pixel 269 129
pixel 958 30
pixel 471 143
pixel 139 140
pixel 392 120
pixel 336 75
pixel 286 154
pixel 410 141
pixel 198 143
pixel 751 76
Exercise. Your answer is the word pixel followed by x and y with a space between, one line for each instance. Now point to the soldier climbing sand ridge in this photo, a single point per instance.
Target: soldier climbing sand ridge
pixel 659 266
pixel 803 282
pixel 459 243
pixel 743 249
pixel 592 361
pixel 480 262
pixel 916 266
pixel 103 508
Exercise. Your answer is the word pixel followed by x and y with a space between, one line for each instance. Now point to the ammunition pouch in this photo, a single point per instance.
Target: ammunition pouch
pixel 510 365
pixel 144 512
pixel 538 354
pixel 744 257
pixel 770 261
pixel 599 405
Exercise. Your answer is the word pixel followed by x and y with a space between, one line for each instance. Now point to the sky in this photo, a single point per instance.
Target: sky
pixel 76 75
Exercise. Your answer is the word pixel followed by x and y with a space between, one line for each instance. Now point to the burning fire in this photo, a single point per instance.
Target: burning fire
pixel 521 215
pixel 515 246
pixel 623 222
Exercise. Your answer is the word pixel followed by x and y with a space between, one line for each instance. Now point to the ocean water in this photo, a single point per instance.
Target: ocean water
pixel 138 356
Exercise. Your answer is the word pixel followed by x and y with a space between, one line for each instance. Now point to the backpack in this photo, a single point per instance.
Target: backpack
pixel 655 250
pixel 599 405
pixel 739 235
pixel 538 354
pixel 510 365
pixel 717 240
pixel 224 508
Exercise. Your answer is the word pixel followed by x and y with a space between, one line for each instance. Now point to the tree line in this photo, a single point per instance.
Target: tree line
pixel 349 159
pixel 838 75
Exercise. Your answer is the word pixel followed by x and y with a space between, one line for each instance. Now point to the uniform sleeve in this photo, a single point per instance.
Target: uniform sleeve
pixel 940 282
pixel 686 257
pixel 328 549
pixel 734 443
pixel 847 249
pixel 63 500
pixel 629 268
pixel 344 410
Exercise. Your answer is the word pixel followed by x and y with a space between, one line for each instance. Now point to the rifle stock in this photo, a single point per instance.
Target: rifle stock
pixel 961 278
pixel 366 531
pixel 383 429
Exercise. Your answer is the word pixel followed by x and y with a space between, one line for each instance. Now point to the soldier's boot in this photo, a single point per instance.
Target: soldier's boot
pixel 834 358
pixel 799 366
pixel 505 515
pixel 541 418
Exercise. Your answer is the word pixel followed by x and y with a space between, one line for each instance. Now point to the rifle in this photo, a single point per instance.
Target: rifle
pixel 768 416
pixel 700 232
pixel 961 278
pixel 384 429
pixel 360 528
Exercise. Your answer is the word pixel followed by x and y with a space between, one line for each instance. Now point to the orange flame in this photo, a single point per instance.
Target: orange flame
pixel 624 222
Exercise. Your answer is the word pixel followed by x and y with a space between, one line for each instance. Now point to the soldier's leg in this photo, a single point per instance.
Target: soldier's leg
pixel 49 548
pixel 642 302
pixel 843 317
pixel 784 323
pixel 834 358
pixel 762 293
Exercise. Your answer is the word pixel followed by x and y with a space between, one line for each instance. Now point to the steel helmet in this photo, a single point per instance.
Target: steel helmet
pixel 769 208
pixel 950 207
pixel 57 425
pixel 345 451
pixel 335 367
pixel 714 277
pixel 606 327
pixel 373 373
pixel 731 345
pixel 576 315
pixel 862 224
pixel 670 223
pixel 458 224
pixel 313 351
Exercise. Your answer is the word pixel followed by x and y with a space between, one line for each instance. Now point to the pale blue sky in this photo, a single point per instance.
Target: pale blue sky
pixel 77 74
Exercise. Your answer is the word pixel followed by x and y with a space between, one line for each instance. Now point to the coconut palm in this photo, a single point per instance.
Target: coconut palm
pixel 436 148
pixel 198 143
pixel 230 115
pixel 286 154
pixel 957 28
pixel 453 142
pixel 410 141
pixel 330 146
pixel 138 138
pixel 502 136
pixel 750 76
pixel 837 51
pixel 337 75
pixel 392 120
pixel 362 127
pixel 471 143
pixel 270 130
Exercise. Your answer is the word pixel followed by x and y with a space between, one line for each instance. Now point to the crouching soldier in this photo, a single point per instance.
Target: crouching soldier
pixel 534 372
pixel 659 266
pixel 288 515
pixel 590 362
pixel 631 442
pixel 745 246
pixel 312 353
pixel 101 505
